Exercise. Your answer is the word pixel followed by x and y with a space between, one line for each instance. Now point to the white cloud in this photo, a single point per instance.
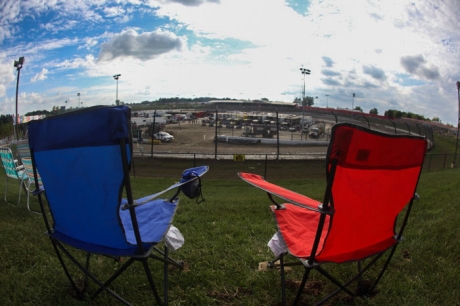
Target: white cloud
pixel 142 46
pixel 7 72
pixel 40 76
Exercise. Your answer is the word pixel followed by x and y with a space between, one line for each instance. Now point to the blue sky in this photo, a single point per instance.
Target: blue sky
pixel 393 54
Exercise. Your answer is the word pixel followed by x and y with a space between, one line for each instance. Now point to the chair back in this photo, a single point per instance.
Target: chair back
pixel 373 177
pixel 83 158
pixel 9 164
pixel 23 149
pixel 29 171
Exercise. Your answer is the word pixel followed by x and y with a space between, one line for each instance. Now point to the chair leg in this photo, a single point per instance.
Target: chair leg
pixel 85 280
pixel 6 189
pixel 149 277
pixel 28 199
pixel 360 279
pixel 302 285
pixel 384 268
pixel 165 277
pixel 283 283
pixel 27 188
pixel 178 264
pixel 20 187
pixel 102 286
pixel 66 271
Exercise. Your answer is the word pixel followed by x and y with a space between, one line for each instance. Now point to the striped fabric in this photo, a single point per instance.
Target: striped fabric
pixel 12 169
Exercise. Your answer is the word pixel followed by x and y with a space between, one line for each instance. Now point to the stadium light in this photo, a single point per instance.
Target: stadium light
pixel 304 72
pixel 458 123
pixel 18 65
pixel 116 76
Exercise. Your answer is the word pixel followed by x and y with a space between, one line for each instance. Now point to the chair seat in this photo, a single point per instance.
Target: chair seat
pixel 298 227
pixel 153 219
pixel 99 249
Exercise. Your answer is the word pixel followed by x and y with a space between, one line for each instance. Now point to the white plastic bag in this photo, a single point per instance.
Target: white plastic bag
pixel 276 244
pixel 173 238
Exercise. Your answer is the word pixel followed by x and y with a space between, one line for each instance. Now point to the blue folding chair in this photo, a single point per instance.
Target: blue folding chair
pixel 84 159
pixel 12 170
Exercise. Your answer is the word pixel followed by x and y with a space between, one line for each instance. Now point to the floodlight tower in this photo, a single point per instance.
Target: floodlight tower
pixel 304 71
pixel 116 76
pixel 18 65
pixel 458 124
pixel 327 101
pixel 353 101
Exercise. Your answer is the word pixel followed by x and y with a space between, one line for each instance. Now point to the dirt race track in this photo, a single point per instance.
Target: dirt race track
pixel 194 138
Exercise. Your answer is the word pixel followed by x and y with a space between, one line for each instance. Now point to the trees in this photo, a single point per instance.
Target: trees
pixel 308 101
pixel 396 114
pixel 6 126
pixel 374 111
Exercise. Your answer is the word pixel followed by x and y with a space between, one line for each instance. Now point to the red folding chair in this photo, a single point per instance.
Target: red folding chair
pixel 371 179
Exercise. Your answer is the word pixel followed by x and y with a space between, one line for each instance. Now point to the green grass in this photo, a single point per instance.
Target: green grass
pixel 226 237
pixel 444 144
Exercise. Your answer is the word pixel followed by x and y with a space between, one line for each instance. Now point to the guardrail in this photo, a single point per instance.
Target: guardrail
pixel 432 161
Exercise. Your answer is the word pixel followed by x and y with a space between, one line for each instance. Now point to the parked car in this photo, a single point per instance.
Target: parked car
pixel 163 136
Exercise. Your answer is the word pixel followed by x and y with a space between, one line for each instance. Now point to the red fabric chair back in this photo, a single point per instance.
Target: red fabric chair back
pixel 375 178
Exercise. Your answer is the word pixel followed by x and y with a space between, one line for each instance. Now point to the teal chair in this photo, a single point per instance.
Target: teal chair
pixel 28 170
pixel 12 170
pixel 22 148
pixel 23 151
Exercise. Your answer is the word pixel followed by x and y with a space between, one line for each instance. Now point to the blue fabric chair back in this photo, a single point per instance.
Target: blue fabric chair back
pixel 79 159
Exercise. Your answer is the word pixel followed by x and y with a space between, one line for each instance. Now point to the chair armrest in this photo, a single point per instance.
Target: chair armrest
pixel 280 192
pixel 197 172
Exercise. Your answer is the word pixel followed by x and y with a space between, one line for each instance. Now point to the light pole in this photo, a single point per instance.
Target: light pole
pixel 353 102
pixel 78 95
pixel 327 101
pixel 458 123
pixel 116 78
pixel 18 64
pixel 304 72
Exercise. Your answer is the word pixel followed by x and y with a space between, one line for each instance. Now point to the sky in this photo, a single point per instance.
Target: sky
pixel 391 54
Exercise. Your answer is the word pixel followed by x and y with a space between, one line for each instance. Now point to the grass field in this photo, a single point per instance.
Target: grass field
pixel 226 237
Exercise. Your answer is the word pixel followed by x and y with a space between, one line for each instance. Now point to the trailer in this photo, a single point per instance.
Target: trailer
pixel 265 130
pixel 316 130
